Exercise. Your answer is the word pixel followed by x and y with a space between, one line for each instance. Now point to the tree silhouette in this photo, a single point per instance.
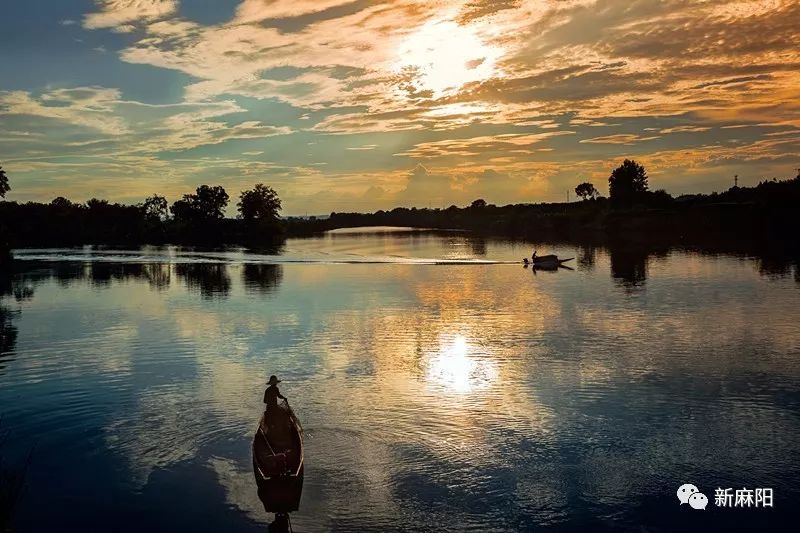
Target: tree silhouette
pixel 586 190
pixel 4 186
pixel 479 203
pixel 208 203
pixel 259 203
pixel 5 254
pixel 627 182
pixel 155 208
pixel 184 210
pixel 61 204
pixel 95 204
pixel 212 201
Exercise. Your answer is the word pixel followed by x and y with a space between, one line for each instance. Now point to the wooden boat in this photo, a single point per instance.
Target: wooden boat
pixel 278 462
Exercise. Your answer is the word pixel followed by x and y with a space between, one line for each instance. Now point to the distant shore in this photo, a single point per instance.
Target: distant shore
pixel 761 217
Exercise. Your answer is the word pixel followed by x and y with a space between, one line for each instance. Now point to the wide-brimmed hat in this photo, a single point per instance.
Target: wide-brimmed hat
pixel 273 380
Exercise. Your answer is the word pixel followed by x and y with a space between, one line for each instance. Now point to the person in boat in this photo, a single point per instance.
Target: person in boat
pixel 272 394
pixel 533 257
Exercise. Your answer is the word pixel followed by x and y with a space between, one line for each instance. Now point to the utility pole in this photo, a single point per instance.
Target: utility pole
pixel 736 180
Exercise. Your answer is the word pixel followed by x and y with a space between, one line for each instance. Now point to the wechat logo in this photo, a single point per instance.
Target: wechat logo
pixel 688 493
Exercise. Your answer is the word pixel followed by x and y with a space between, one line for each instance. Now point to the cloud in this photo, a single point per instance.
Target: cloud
pixel 717 30
pixel 127 127
pixel 114 13
pixel 478 146
pixel 537 55
pixel 422 184
pixel 622 138
pixel 441 188
pixel 477 9
pixel 685 129
pixel 365 147
pixel 516 96
pixel 89 107
pixel 259 10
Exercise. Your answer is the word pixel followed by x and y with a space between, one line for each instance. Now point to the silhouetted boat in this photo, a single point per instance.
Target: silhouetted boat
pixel 278 461
pixel 546 261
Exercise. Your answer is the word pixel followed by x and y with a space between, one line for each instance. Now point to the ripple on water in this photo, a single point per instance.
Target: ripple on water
pixel 441 398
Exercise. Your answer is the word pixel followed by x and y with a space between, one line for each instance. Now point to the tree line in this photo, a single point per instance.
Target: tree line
pixel 196 218
pixel 627 187
pixel 631 211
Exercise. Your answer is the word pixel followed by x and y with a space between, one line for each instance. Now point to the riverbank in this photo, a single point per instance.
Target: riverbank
pixel 706 222
pixel 51 225
pixel 763 216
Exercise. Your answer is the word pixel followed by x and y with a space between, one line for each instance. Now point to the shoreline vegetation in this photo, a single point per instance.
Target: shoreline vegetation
pixel 741 218
pixel 763 218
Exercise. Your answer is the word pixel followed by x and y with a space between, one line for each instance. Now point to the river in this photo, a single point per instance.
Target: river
pixel 441 385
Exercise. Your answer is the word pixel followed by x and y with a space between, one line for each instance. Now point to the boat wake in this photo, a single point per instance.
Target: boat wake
pixel 233 258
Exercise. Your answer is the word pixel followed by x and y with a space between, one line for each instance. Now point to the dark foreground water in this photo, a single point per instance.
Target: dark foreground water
pixel 438 393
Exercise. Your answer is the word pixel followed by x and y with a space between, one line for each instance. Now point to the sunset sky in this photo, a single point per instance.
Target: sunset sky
pixel 365 105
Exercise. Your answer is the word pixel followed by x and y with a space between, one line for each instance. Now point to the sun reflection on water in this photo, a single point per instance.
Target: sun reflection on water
pixel 457 367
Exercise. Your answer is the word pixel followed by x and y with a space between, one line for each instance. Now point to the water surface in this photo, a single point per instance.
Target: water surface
pixel 441 385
